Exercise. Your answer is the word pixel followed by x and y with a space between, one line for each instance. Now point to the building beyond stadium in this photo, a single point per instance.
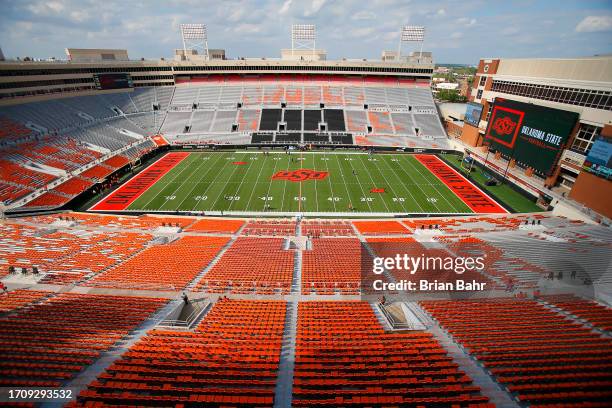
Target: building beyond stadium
pixel 569 98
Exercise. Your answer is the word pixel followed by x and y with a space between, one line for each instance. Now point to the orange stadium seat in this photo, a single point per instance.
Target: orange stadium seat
pixel 231 359
pixel 183 259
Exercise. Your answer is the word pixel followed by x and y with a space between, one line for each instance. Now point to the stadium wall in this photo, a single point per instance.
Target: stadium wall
pixel 594 191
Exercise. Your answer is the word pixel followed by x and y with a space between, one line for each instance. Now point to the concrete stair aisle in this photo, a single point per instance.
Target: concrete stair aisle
pixel 470 366
pixel 283 394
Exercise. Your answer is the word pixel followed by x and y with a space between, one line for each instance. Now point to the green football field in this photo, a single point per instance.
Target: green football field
pixel 245 182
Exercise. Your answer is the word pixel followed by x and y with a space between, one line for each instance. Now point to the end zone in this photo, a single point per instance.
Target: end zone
pixel 125 195
pixel 471 195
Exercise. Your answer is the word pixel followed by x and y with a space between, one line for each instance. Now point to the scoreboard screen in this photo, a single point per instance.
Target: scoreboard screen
pixel 113 81
pixel 473 112
pixel 534 136
pixel 599 160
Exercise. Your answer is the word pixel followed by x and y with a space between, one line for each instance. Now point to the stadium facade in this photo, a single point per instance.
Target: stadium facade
pixel 580 85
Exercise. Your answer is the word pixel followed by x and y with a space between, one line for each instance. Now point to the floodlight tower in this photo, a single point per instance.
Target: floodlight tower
pixel 411 34
pixel 302 38
pixel 195 38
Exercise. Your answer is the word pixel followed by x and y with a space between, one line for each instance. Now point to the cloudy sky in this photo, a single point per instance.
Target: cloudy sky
pixel 457 31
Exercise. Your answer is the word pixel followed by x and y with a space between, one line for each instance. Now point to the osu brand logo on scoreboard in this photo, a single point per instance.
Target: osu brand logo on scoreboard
pixel 300 175
pixel 504 125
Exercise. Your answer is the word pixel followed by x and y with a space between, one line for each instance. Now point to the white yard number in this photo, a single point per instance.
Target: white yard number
pixel 432 199
pixel 233 198
pixel 336 199
pixel 367 199
pixel 266 198
pixel 299 198
pixel 230 158
pixel 394 160
pixel 171 197
pixel 201 198
pixel 372 159
pixel 399 199
pixel 324 158
pixel 348 158
pixel 301 158
pixel 253 158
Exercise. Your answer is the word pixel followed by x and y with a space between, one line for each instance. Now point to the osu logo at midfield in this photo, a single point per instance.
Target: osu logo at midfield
pixel 300 175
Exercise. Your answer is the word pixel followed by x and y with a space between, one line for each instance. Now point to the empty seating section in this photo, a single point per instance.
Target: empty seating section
pixel 21 297
pixel 429 125
pixel 224 121
pixel 273 95
pixel 216 225
pixel 293 119
pixel 183 259
pixel 356 121
pixel 74 186
pixel 538 354
pixel 403 123
pixel 332 95
pixel 270 119
pixel 231 359
pixel 97 172
pixel 251 264
pixel 252 96
pixel 49 199
pixel 327 228
pixel 380 121
pixel 589 310
pixel 345 358
pixel 248 120
pixel 380 227
pixel 11 131
pixel 312 96
pixel 333 265
pixel 354 96
pixel 269 227
pixel 334 119
pixel 15 174
pixel 175 122
pixel 66 256
pixel 294 95
pixel 65 334
pixel 311 119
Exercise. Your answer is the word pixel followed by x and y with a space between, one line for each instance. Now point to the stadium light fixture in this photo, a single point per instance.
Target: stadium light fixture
pixel 303 37
pixel 195 37
pixel 411 34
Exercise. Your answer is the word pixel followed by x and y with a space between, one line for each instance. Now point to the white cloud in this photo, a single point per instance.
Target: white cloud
pixel 593 24
pixel 285 8
pixel 456 35
pixel 314 8
pixel 441 12
pixel 467 22
pixel 364 15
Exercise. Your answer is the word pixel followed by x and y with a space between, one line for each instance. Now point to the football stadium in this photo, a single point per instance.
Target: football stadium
pixel 206 230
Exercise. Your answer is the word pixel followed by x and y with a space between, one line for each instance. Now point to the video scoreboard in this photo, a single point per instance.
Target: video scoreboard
pixel 113 81
pixel 533 135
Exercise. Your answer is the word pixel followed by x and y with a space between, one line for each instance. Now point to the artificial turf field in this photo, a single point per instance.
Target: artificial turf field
pixel 316 182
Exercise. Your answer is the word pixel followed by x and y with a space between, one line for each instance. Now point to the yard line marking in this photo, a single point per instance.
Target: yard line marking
pixel 373 182
pixel 270 183
pixel 390 185
pixel 404 185
pixel 183 183
pixel 261 167
pixel 226 184
pixel 419 186
pixel 331 188
pixel 242 181
pixel 197 183
pixel 360 186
